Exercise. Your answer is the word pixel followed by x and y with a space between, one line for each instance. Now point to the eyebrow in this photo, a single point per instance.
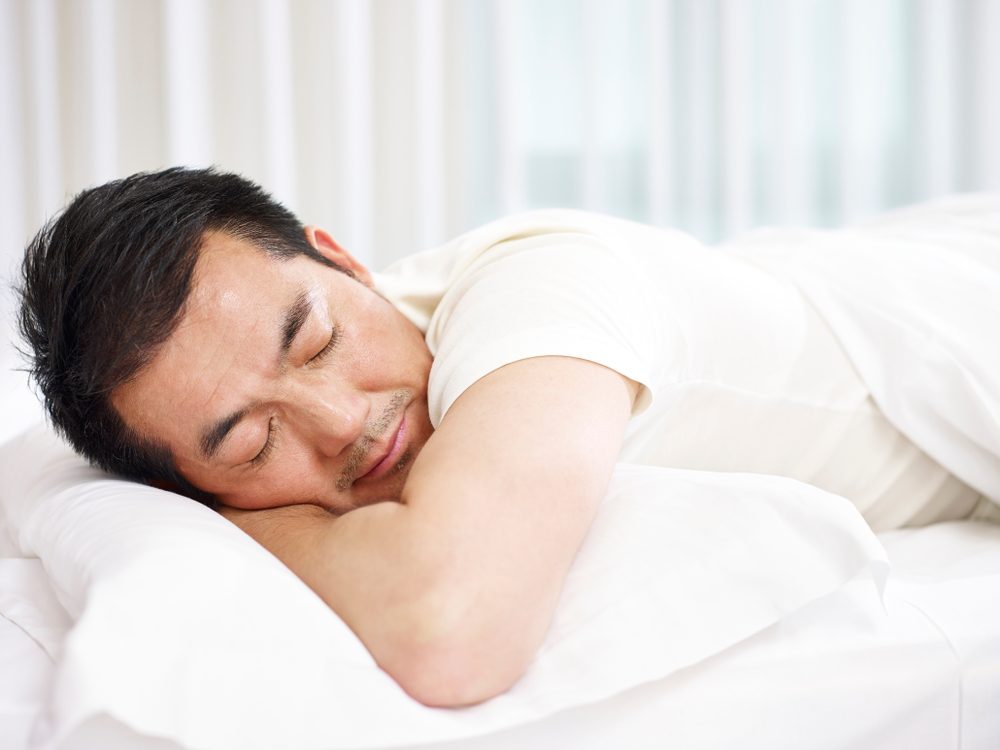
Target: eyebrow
pixel 294 318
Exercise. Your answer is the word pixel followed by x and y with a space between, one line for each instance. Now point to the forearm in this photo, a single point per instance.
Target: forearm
pixel 374 568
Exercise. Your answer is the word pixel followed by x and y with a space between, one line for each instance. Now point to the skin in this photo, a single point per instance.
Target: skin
pixel 330 414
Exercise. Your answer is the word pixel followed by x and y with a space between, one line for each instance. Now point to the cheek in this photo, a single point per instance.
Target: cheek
pixel 294 475
pixel 290 478
pixel 378 353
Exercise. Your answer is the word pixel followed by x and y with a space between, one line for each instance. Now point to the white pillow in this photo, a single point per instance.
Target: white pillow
pixel 187 629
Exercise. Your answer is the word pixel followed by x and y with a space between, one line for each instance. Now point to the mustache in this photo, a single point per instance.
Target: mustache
pixel 374 432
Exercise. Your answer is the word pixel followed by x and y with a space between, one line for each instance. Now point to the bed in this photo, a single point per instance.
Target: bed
pixel 704 610
pixel 840 673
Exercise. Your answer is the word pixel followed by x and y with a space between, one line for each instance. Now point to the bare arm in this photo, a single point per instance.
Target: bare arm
pixel 453 590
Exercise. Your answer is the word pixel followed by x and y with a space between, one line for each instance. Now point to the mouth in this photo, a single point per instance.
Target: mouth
pixel 386 455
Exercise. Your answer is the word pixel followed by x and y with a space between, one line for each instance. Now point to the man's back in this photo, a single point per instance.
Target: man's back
pixel 739 370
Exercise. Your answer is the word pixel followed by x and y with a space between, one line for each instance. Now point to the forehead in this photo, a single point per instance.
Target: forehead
pixel 235 284
pixel 230 265
pixel 227 330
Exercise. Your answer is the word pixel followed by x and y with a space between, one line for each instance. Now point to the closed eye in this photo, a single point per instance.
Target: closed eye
pixel 330 346
pixel 265 452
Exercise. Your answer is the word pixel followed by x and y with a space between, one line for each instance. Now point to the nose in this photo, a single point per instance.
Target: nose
pixel 331 421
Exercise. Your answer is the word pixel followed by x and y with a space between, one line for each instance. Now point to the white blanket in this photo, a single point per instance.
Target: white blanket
pixel 914 298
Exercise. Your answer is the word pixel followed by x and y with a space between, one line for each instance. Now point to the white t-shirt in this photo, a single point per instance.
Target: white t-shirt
pixel 738 371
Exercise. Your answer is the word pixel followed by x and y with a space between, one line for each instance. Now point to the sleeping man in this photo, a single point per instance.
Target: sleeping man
pixel 426 447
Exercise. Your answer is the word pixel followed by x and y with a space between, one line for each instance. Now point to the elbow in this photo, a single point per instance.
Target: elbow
pixel 456 652
pixel 452 675
pixel 453 646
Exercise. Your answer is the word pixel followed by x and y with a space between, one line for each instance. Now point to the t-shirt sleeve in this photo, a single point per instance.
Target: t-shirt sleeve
pixel 564 293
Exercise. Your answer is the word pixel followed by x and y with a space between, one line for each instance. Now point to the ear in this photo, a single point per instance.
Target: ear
pixel 326 246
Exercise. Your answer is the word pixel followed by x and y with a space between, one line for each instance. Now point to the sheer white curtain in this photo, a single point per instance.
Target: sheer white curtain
pixel 399 123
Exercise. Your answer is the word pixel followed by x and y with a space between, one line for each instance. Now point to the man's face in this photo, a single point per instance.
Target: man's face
pixel 285 382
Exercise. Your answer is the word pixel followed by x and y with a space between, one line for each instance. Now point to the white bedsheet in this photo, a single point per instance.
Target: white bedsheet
pixel 839 673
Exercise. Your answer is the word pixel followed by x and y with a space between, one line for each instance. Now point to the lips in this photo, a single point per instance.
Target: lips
pixel 386 457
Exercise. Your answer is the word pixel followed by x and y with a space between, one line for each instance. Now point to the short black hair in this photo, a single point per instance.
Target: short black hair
pixel 104 284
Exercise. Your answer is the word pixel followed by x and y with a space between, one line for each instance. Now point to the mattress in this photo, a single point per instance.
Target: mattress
pixel 843 672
